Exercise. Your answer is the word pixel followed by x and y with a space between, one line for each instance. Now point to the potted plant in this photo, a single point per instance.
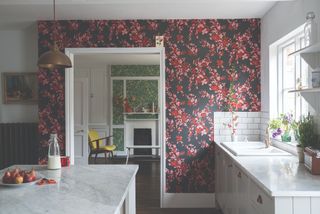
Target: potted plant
pixel 305 135
pixel 282 127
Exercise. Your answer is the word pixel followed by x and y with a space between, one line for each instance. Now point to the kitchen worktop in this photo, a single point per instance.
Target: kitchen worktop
pixel 80 189
pixel 278 175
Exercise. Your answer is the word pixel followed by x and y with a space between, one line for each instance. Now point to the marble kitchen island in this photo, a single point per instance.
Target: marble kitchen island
pixel 105 189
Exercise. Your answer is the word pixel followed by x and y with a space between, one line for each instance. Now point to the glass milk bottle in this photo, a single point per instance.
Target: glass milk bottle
pixel 54 161
pixel 310 30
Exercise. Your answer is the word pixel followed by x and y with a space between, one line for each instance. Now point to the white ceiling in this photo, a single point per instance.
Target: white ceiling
pixel 102 60
pixel 18 13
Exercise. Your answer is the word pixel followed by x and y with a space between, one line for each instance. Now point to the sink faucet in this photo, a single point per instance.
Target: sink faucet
pixel 267 141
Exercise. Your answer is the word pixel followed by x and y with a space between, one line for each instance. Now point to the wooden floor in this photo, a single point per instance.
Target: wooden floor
pixel 148 188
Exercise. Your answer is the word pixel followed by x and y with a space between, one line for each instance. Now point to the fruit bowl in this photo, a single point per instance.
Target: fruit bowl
pixel 18 177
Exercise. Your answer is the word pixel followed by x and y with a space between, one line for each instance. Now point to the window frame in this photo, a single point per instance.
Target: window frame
pixel 297 41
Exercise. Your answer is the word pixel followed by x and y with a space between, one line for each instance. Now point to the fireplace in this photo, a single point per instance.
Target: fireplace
pixel 141 132
pixel 142 137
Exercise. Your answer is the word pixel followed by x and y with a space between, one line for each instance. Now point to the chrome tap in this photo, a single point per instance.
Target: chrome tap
pixel 267 141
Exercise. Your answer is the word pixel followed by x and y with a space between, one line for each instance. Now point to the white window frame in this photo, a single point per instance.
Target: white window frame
pixel 296 40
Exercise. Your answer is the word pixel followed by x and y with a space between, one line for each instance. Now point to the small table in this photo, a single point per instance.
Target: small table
pixel 139 147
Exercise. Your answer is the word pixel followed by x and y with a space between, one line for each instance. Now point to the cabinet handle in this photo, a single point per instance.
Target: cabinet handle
pixel 259 199
pixel 239 175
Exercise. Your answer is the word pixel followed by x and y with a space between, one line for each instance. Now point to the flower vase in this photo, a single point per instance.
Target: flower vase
pixel 234 138
pixel 286 137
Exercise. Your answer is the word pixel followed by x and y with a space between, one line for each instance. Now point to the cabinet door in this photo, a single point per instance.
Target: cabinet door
pixel 242 191
pixel 223 183
pixel 218 175
pixel 260 200
pixel 230 190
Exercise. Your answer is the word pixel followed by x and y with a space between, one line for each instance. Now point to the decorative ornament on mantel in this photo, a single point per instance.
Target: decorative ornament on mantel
pixel 54 58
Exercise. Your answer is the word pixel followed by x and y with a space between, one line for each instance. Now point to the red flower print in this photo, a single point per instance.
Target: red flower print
pixel 202 59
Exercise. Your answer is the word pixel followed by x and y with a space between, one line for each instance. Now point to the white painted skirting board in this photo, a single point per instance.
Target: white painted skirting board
pixel 188 200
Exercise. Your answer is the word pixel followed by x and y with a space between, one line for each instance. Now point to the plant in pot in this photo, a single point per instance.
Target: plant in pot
pixel 305 135
pixel 282 127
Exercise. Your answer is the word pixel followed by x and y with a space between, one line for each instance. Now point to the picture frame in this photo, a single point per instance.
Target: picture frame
pixel 20 88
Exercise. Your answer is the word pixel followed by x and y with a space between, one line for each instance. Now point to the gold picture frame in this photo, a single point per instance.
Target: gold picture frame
pixel 20 88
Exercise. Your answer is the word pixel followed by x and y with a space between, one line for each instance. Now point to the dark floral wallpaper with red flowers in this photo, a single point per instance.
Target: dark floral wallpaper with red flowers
pixel 203 59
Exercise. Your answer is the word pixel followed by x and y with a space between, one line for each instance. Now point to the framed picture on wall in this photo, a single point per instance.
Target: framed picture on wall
pixel 19 88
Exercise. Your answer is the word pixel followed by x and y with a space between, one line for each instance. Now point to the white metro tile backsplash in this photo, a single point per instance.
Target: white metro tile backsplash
pixel 250 126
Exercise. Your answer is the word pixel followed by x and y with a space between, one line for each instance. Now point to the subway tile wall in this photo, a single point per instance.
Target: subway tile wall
pixel 249 126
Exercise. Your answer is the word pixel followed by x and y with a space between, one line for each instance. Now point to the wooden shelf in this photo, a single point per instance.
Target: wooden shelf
pixel 307 90
pixel 310 49
pixel 140 113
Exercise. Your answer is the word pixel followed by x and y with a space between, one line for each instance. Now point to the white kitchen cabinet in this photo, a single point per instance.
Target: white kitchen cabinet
pixel 237 192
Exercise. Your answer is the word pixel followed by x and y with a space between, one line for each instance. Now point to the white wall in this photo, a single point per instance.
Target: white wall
pixel 18 53
pixel 283 18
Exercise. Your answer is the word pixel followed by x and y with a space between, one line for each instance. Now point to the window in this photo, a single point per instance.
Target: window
pixel 292 73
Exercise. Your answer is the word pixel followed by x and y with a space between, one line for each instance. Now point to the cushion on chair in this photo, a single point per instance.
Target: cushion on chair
pixel 93 135
pixel 109 148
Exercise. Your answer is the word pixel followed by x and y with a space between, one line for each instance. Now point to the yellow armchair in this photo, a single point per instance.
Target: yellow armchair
pixel 97 146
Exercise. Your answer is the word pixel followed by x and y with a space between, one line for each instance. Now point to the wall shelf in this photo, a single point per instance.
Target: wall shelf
pixel 307 90
pixel 311 95
pixel 310 49
pixel 310 54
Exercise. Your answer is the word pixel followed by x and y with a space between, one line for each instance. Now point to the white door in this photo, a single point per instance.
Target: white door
pixel 81 113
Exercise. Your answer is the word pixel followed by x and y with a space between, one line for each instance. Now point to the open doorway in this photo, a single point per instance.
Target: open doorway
pixel 149 110
pixel 103 83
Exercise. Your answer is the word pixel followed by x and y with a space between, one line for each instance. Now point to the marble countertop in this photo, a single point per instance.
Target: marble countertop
pixel 80 189
pixel 279 175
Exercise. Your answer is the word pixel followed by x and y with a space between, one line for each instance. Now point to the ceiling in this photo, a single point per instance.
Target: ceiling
pixel 102 60
pixel 18 13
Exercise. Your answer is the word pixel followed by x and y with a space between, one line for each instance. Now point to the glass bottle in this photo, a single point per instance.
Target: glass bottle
pixel 54 161
pixel 310 29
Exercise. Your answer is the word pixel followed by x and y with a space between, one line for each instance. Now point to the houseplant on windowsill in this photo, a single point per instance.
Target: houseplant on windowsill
pixel 283 127
pixel 305 135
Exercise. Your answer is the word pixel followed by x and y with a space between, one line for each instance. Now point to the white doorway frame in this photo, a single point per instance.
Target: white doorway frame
pixel 69 100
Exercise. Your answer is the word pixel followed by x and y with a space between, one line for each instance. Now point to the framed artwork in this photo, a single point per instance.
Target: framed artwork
pixel 19 88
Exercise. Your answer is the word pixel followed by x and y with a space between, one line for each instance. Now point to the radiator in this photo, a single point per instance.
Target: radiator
pixel 18 144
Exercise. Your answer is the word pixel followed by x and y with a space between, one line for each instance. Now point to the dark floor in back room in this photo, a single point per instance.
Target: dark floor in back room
pixel 148 187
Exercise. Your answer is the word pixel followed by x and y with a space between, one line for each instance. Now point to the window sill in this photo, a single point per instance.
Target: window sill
pixel 286 146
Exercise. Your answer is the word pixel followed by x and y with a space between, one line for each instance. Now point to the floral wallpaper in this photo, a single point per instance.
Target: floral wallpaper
pixel 117 102
pixel 202 58
pixel 135 70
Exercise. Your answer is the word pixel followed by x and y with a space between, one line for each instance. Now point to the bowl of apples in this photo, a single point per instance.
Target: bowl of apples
pixel 19 177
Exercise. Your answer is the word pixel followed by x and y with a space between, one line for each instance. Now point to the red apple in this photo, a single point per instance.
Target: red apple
pixel 15 173
pixel 7 177
pixel 33 172
pixel 28 177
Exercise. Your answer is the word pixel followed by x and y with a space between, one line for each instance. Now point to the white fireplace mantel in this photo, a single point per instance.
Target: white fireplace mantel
pixel 131 124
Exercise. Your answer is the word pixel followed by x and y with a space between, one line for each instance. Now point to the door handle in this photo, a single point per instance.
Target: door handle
pixel 259 199
pixel 239 175
pixel 80 131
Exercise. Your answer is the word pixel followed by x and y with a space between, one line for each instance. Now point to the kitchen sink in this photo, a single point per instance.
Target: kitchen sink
pixel 253 149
